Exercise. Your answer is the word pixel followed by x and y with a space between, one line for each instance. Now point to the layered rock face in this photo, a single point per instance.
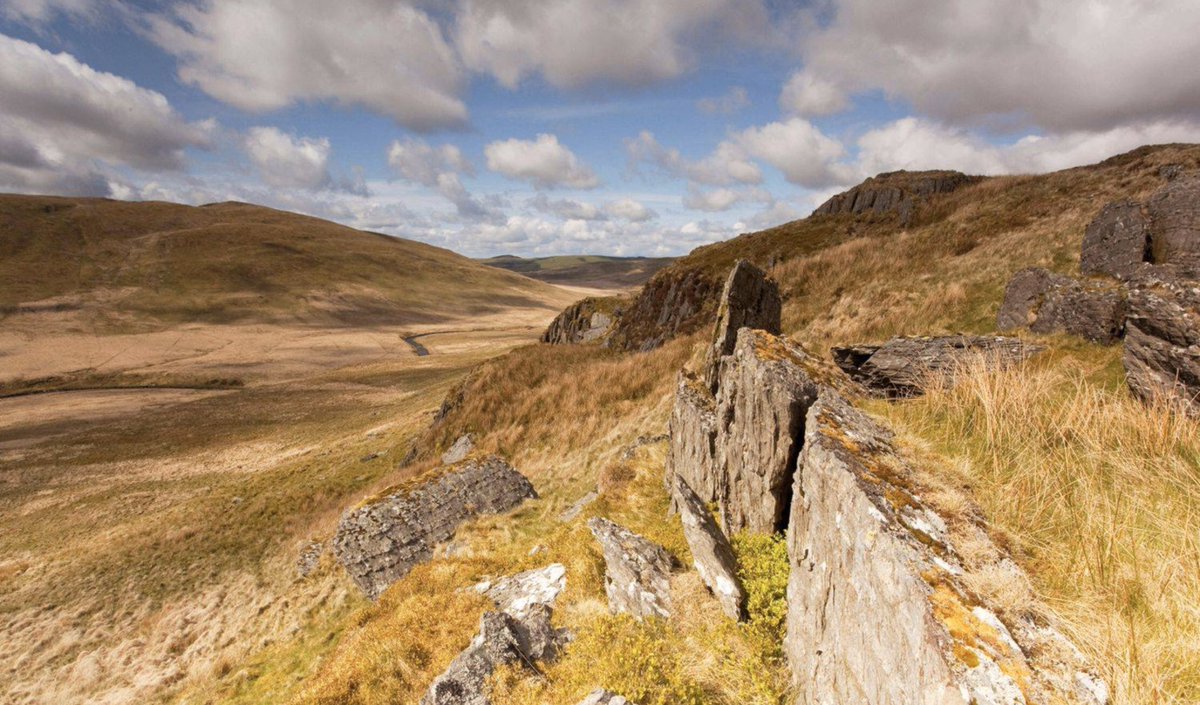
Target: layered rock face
pixel 1162 339
pixel 1163 230
pixel 877 612
pixel 674 302
pixel 895 192
pixel 637 571
pixel 586 321
pixel 380 542
pixel 692 453
pixel 749 300
pixel 1116 241
pixel 902 367
pixel 1174 212
pixel 1045 302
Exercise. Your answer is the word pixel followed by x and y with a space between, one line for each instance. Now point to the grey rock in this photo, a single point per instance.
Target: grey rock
pixel 1175 223
pixel 749 300
pixel 1170 172
pixel 637 571
pixel 517 594
pixel 1116 241
pixel 570 513
pixel 381 541
pixel 877 610
pixel 1046 302
pixel 585 321
pixel 674 302
pixel 692 453
pixel 711 553
pixel 603 697
pixel 309 558
pixel 460 450
pixel 902 367
pixel 1162 341
pixel 897 192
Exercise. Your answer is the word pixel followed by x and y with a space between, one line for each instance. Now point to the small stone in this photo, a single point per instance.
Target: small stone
pixel 310 558
pixel 604 697
pixel 637 571
pixel 459 450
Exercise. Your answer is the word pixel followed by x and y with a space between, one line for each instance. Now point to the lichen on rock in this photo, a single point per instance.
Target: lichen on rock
pixel 637 571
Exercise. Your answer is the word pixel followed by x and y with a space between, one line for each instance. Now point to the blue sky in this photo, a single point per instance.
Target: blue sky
pixel 566 126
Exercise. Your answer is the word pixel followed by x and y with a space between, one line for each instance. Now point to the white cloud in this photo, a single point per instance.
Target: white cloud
pixel 438 168
pixel 722 199
pixel 572 43
pixel 64 125
pixel 261 55
pixel 797 148
pixel 632 210
pixel 567 208
pixel 543 162
pixel 285 161
pixel 1065 65
pixel 777 213
pixel 731 102
pixel 807 95
pixel 38 12
pixel 728 164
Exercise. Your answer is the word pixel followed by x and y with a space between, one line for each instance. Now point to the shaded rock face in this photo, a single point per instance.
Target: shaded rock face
pixel 1162 339
pixel 1116 241
pixel 637 571
pixel 877 612
pixel 1175 217
pixel 902 367
pixel 897 192
pixel 380 542
pixel 711 553
pixel 1046 302
pixel 460 450
pixel 674 302
pixel 603 697
pixel 749 300
pixel 585 321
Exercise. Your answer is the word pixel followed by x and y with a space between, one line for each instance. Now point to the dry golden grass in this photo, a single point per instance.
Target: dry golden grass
pixel 1099 495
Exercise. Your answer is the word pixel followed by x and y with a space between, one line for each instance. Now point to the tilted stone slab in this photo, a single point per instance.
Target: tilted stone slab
pixel 902 367
pixel 711 553
pixel 1046 302
pixel 1116 241
pixel 1162 340
pixel 692 451
pixel 637 571
pixel 381 541
pixel 877 611
pixel 749 300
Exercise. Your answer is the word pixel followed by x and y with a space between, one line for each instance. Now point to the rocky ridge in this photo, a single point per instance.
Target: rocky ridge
pixel 586 321
pixel 898 192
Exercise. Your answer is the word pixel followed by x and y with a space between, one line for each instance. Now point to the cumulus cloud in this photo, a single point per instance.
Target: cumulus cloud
pixel 572 43
pixel 804 154
pixel 542 162
pixel 728 164
pixel 808 95
pixel 722 199
pixel 1063 65
pixel 64 125
pixel 567 208
pixel 729 103
pixel 629 209
pixel 285 161
pixel 38 12
pixel 261 55
pixel 438 168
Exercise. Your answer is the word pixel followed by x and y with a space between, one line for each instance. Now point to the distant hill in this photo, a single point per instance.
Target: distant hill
pixel 584 270
pixel 161 262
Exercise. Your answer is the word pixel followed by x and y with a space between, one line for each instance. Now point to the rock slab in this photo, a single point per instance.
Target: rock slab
pixel 902 367
pixel 1116 241
pixel 381 541
pixel 637 571
pixel 749 300
pixel 1045 302
pixel 711 553
pixel 1162 340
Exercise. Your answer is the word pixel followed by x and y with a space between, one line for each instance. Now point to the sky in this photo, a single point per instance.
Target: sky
pixel 543 127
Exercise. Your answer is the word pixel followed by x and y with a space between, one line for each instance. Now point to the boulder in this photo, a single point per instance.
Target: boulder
pixel 1116 241
pixel 897 192
pixel 1046 302
pixel 1174 212
pixel 877 608
pixel 692 451
pixel 603 697
pixel 517 594
pixel 1162 340
pixel 749 300
pixel 711 553
pixel 585 321
pixel 380 541
pixel 902 367
pixel 460 450
pixel 637 572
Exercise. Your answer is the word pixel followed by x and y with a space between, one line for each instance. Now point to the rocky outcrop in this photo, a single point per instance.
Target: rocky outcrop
pixel 899 192
pixel 877 608
pixel 460 450
pixel 711 553
pixel 1117 241
pixel 1162 339
pixel 692 452
pixel 1045 302
pixel 586 321
pixel 637 571
pixel 902 367
pixel 517 594
pixel 381 540
pixel 749 300
pixel 1174 212
pixel 676 301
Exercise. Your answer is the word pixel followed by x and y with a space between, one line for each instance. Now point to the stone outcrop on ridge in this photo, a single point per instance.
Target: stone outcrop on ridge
pixel 674 302
pixel 637 571
pixel 1045 302
pixel 749 300
pixel 897 192
pixel 902 367
pixel 380 541
pixel 1162 339
pixel 586 321
pixel 712 555
pixel 877 609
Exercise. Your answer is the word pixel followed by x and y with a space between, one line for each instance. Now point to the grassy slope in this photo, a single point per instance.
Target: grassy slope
pixel 1097 495
pixel 584 270
pixel 234 261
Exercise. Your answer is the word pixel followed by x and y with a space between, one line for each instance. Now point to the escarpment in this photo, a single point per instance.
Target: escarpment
pixel 897 192
pixel 380 541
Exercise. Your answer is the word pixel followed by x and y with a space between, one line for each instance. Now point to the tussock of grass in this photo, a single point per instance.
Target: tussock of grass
pixel 1101 497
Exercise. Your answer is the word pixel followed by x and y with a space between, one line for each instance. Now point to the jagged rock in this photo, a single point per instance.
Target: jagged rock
pixel 1175 224
pixel 877 610
pixel 309 558
pixel 1116 241
pixel 585 321
pixel 1046 302
pixel 692 453
pixel 603 697
pixel 577 508
pixel 637 571
pixel 380 541
pixel 902 367
pixel 1162 339
pixel 766 387
pixel 711 553
pixel 674 302
pixel 749 300
pixel 460 450
pixel 895 192
pixel 516 594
